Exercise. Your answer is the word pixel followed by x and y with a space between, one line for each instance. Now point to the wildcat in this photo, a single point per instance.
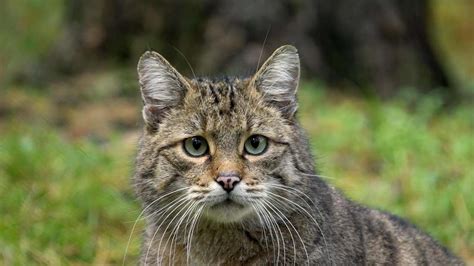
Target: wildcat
pixel 226 177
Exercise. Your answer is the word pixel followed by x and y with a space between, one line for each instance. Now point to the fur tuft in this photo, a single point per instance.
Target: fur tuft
pixel 278 79
pixel 161 85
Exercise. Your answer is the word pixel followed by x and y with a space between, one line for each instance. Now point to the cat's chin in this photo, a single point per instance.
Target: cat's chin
pixel 227 211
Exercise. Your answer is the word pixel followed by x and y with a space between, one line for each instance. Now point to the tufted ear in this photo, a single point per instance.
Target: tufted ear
pixel 278 79
pixel 162 87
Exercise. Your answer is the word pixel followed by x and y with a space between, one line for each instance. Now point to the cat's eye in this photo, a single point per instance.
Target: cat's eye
pixel 196 146
pixel 256 145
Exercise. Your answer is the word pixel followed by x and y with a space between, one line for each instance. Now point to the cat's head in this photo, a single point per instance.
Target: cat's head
pixel 225 147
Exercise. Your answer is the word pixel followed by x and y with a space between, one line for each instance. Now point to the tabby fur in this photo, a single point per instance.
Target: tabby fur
pixel 281 211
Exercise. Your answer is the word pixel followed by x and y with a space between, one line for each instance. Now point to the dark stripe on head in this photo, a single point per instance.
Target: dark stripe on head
pixel 214 93
pixel 231 97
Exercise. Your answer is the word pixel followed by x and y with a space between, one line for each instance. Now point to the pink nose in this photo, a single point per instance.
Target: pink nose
pixel 228 181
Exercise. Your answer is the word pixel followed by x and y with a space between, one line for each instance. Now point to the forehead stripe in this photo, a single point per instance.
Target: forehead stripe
pixel 231 96
pixel 214 93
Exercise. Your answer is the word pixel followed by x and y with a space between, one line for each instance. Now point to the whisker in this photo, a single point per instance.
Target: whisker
pixel 315 175
pixel 176 230
pixel 276 227
pixel 263 47
pixel 297 233
pixel 182 208
pixel 189 218
pixel 172 207
pixel 138 218
pixel 190 237
pixel 295 192
pixel 185 59
pixel 283 218
pixel 305 212
pixel 299 236
pixel 268 224
pixel 257 212
pixel 192 214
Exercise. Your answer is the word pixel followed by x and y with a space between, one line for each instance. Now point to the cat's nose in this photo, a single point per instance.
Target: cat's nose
pixel 228 180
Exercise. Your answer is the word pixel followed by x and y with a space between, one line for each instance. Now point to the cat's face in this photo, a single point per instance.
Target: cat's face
pixel 218 146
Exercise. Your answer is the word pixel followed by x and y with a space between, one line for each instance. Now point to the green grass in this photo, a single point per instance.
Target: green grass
pixel 69 201
pixel 61 201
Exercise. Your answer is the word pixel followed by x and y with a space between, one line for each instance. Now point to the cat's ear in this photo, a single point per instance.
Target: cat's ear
pixel 161 85
pixel 278 79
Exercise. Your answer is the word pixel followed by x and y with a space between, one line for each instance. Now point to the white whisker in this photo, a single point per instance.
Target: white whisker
pixel 138 218
pixel 280 198
pixel 179 202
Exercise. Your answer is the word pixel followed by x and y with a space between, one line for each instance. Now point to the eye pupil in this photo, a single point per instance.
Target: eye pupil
pixel 196 143
pixel 255 141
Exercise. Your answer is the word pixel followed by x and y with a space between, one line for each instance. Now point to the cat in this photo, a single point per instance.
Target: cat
pixel 226 177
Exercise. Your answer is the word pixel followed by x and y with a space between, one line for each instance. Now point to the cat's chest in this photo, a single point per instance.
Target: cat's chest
pixel 226 246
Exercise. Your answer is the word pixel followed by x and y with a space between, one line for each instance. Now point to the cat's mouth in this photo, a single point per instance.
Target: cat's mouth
pixel 227 211
pixel 227 203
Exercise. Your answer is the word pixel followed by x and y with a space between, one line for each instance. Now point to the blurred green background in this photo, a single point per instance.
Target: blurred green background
pixel 69 127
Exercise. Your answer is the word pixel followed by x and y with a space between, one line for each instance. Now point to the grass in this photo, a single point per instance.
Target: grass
pixel 68 201
pixel 62 202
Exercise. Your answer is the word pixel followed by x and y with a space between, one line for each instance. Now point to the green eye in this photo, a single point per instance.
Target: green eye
pixel 195 146
pixel 256 145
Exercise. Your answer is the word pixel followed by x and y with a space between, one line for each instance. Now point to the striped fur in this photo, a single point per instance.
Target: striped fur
pixel 281 212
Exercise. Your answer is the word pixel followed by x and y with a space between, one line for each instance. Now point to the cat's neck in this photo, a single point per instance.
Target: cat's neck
pixel 253 241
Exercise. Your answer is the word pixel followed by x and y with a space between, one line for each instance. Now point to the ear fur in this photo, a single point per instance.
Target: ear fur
pixel 162 87
pixel 278 79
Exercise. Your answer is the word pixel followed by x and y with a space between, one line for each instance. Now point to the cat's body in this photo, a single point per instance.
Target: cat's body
pixel 227 178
